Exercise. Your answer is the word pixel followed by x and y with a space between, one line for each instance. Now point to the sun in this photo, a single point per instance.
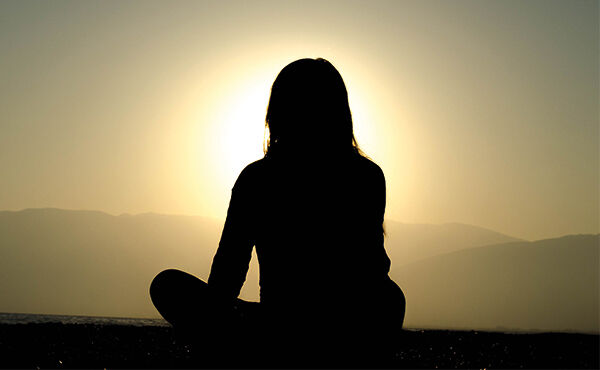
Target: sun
pixel 241 121
pixel 229 131
pixel 238 125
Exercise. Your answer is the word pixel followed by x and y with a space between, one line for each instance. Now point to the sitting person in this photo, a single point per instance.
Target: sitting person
pixel 314 209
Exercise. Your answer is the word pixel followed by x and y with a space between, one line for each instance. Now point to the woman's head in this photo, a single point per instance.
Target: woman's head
pixel 308 111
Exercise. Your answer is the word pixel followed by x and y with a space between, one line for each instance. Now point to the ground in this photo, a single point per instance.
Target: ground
pixel 56 345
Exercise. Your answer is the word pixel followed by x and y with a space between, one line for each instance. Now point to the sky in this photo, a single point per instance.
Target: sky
pixel 479 112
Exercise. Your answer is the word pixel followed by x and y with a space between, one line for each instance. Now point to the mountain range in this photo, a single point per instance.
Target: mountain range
pixel 454 275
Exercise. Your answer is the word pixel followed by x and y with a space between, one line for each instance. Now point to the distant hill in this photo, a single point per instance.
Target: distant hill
pixel 407 243
pixel 549 285
pixel 92 263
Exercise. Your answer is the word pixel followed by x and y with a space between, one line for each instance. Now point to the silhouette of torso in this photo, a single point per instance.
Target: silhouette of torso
pixel 317 225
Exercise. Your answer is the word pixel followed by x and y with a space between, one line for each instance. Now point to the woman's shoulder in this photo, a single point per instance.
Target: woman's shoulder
pixel 255 167
pixel 252 173
pixel 368 167
pixel 260 170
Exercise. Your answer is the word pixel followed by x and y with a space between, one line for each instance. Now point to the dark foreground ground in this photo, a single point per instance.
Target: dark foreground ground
pixel 118 346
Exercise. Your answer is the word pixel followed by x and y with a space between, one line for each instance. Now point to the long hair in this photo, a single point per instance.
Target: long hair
pixel 308 111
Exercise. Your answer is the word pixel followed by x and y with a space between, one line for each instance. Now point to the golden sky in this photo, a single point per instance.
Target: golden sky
pixel 480 112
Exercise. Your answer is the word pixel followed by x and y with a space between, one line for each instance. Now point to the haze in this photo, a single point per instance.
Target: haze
pixel 453 275
pixel 480 112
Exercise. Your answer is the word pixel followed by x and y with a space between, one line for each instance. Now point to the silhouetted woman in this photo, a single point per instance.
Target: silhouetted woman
pixel 314 208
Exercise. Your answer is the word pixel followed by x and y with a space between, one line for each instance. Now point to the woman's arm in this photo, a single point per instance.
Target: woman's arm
pixel 230 264
pixel 380 193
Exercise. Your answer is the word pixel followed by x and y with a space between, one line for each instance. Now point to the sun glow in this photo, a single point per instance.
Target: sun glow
pixel 240 130
pixel 234 137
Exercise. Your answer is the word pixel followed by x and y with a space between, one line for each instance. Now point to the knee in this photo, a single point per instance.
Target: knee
pixel 401 297
pixel 160 283
pixel 397 303
pixel 396 293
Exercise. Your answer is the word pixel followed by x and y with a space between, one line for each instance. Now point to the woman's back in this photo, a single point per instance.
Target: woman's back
pixel 318 229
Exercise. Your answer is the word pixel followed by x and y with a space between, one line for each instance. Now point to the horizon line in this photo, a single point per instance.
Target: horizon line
pixel 127 214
